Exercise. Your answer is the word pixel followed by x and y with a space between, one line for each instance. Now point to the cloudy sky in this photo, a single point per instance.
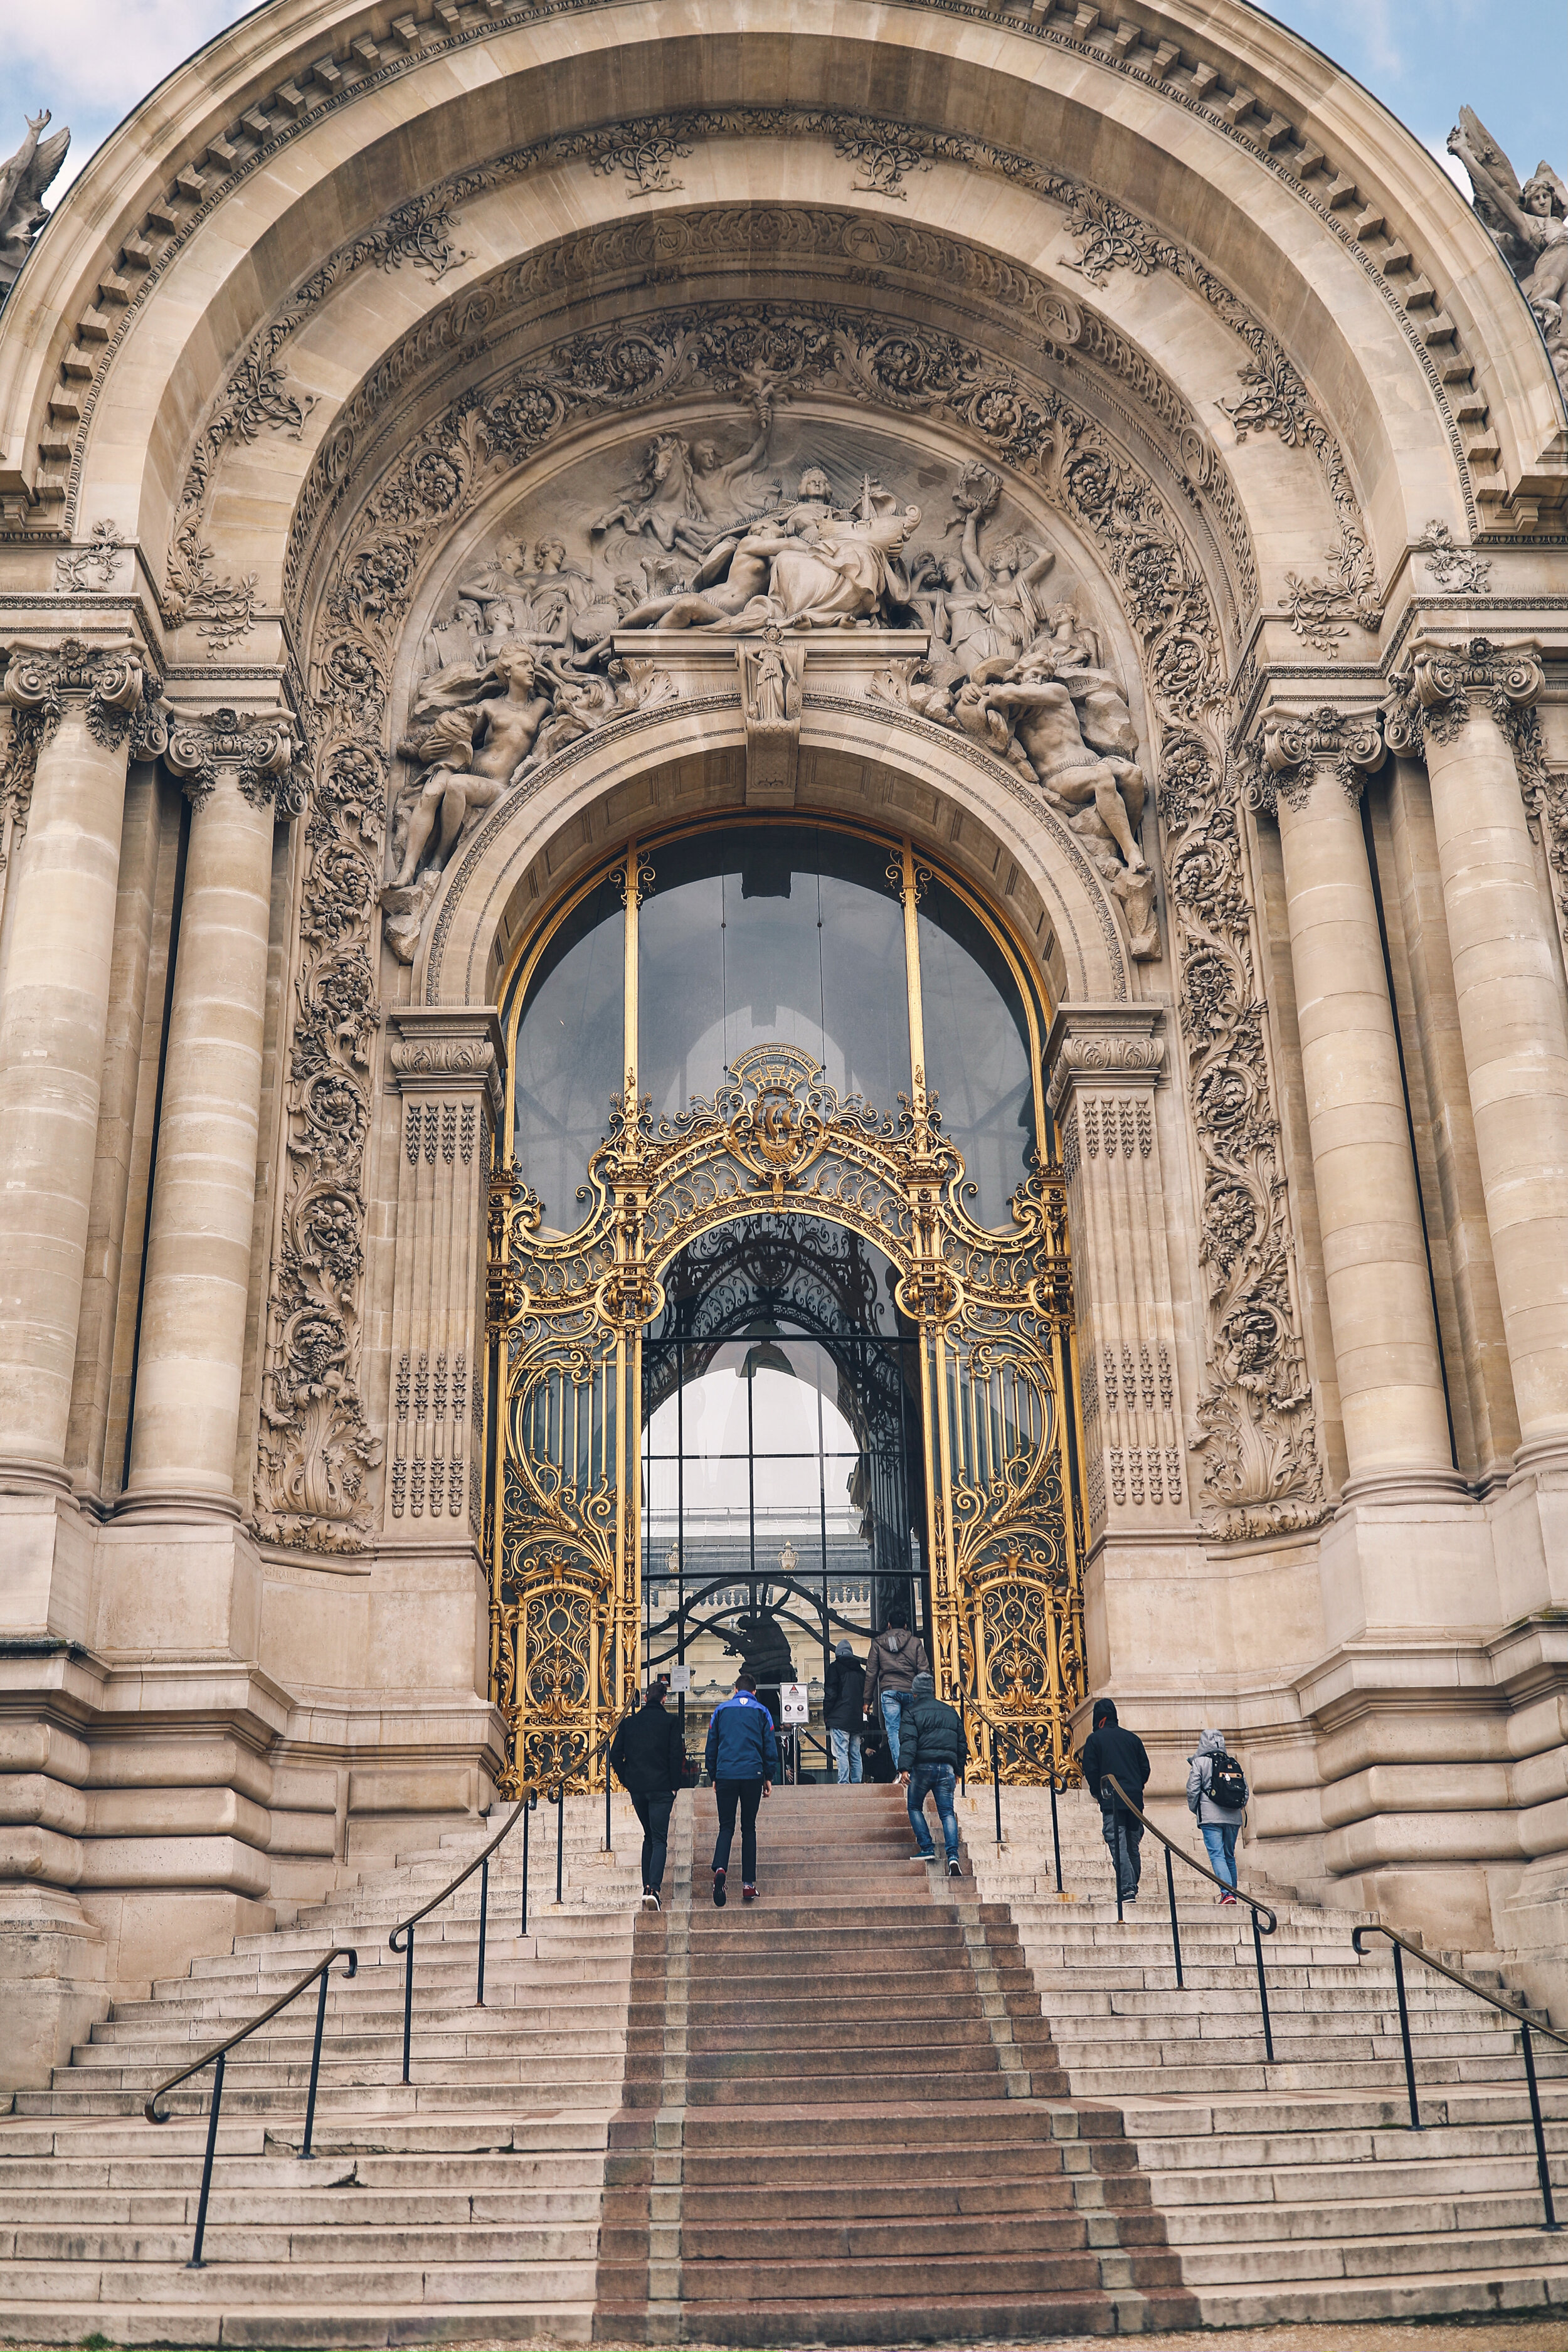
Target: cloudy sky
pixel 90 60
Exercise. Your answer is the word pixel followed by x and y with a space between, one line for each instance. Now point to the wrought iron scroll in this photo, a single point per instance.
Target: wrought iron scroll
pixel 567 1314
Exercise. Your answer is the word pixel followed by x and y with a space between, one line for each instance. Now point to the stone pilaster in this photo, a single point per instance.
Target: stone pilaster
pixel 1386 1356
pixel 1469 707
pixel 76 706
pixel 446 1063
pixel 1105 1062
pixel 187 1425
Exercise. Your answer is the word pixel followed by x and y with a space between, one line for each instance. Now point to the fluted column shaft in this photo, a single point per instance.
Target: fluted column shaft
pixel 1510 1012
pixel 1374 1259
pixel 77 704
pixel 189 1364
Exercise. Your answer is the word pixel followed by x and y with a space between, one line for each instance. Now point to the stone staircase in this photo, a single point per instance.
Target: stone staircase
pixel 1290 2191
pixel 881 2106
pixel 463 2206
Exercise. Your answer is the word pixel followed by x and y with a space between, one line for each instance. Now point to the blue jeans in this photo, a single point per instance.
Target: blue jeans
pixel 1220 1839
pixel 939 1782
pixel 845 1755
pixel 892 1708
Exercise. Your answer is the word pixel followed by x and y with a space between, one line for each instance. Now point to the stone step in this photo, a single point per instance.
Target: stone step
pixel 316 2319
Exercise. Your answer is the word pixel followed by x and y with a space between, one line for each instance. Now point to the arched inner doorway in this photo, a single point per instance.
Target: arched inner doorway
pixel 742 1056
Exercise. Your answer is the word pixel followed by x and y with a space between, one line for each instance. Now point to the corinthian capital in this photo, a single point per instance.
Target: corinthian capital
pixel 109 681
pixel 1293 747
pixel 1436 696
pixel 258 749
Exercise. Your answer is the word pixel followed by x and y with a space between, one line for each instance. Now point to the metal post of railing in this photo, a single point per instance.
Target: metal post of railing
pixel 1404 2037
pixel 962 1744
pixel 196 2263
pixel 1175 1936
pixel 408 2001
pixel 609 1834
pixel 1262 1990
pixel 997 1779
pixel 307 2154
pixel 527 1809
pixel 484 1921
pixel 560 1835
pixel 1541 2163
pixel 1056 1833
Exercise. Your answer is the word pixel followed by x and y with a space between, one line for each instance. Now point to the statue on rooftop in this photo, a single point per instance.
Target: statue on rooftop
pixel 22 185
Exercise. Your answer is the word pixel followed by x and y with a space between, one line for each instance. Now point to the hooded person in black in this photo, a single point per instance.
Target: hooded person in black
pixel 1109 1751
pixel 648 1757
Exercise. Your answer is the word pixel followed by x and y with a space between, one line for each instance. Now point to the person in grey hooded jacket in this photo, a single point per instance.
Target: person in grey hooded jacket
pixel 1219 1823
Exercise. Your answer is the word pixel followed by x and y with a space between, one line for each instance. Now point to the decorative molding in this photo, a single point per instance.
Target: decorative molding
pixel 110 680
pixel 1120 1044
pixel 259 748
pixel 93 566
pixel 1294 747
pixel 1451 565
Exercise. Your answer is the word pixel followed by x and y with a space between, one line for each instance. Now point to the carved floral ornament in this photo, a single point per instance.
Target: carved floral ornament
pixel 1284 761
pixel 110 682
pixel 259 748
pixel 1433 697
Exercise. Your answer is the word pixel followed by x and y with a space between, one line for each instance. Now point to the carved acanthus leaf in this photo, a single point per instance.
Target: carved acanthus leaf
pixel 110 680
pixel 1295 745
pixel 259 748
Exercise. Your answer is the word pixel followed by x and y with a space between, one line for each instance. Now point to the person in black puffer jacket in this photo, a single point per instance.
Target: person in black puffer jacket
pixel 649 1758
pixel 843 1704
pixel 1108 1751
pixel 929 1743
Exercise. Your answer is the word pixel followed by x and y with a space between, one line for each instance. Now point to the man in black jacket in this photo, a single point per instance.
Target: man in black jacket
pixel 843 1704
pixel 649 1761
pixel 928 1738
pixel 1108 1751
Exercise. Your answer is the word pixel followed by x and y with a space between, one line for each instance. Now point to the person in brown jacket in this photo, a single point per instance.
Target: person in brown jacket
pixel 897 1656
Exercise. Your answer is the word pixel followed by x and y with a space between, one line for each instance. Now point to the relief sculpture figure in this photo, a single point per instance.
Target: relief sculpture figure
pixel 1530 225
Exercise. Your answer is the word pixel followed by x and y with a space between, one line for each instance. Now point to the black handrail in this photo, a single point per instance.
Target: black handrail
pixel 998 1737
pixel 1528 2025
pixel 215 2058
pixel 527 1792
pixel 1238 1894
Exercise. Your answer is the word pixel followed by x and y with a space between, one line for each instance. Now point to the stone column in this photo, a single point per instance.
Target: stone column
pixel 1105 1062
pixel 186 1427
pixel 76 705
pixel 1470 705
pixel 1386 1356
pixel 445 1063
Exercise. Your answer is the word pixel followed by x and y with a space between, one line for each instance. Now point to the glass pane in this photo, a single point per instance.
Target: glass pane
pixel 766 935
pixel 977 1051
pixel 571 1053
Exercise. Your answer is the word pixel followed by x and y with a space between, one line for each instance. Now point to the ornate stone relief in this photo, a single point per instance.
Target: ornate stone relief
pixel 1255 1419
pixel 770 675
pixel 1432 694
pixel 93 566
pixel 112 681
pixel 1451 565
pixel 258 747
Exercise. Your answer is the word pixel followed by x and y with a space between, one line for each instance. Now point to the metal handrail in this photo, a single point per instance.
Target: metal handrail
pixel 1008 1734
pixel 529 1793
pixel 1253 1904
pixel 215 2058
pixel 1529 2025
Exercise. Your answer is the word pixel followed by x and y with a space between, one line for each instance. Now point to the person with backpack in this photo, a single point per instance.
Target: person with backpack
pixel 895 1658
pixel 843 1704
pixel 648 1757
pixel 1108 1751
pixel 930 1737
pixel 743 1760
pixel 1217 1793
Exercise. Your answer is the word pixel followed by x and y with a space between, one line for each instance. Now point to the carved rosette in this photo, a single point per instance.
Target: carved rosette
pixel 1106 1061
pixel 1291 751
pixel 259 748
pixel 108 683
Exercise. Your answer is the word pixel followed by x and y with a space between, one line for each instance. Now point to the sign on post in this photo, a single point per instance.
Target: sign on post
pixel 796 1705
pixel 679 1678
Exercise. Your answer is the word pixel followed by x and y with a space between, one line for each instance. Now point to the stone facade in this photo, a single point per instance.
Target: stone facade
pixel 432 456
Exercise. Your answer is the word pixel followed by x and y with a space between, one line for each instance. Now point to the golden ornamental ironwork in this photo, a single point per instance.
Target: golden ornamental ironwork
pixel 993 1317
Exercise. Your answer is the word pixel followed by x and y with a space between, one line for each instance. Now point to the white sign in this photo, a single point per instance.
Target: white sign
pixel 679 1678
pixel 796 1704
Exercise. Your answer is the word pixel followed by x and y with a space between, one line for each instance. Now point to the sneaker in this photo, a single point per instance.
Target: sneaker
pixel 649 1899
pixel 954 1871
pixel 1230 1899
pixel 748 1894
pixel 918 1856
pixel 718 1896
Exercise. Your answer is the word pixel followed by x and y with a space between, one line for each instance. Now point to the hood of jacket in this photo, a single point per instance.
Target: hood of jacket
pixel 1210 1743
pixel 1104 1713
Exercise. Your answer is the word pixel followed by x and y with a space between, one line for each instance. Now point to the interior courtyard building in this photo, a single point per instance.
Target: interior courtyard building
pixel 785 800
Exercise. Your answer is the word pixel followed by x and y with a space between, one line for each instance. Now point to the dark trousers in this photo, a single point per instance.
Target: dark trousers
pixel 652 1812
pixel 1123 1835
pixel 747 1795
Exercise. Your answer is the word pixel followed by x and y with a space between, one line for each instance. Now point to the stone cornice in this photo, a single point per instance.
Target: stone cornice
pixel 448 1049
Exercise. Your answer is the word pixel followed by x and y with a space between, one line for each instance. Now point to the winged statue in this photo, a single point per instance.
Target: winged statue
pixel 1529 223
pixel 22 185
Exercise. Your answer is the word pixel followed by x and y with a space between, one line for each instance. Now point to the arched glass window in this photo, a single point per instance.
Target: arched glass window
pixel 770 932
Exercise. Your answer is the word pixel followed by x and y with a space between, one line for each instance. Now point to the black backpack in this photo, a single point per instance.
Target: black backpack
pixel 1227 1783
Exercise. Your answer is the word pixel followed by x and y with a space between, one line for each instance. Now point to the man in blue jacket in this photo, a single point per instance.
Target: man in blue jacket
pixel 741 1758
